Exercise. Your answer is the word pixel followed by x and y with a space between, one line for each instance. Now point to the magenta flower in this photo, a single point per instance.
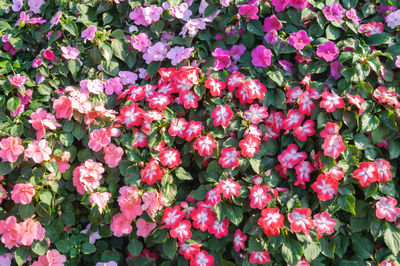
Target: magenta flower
pixel 328 51
pixel 248 10
pixel 335 70
pixel 261 56
pixel 145 15
pixel 335 12
pixel 140 42
pixel 286 65
pixel 299 39
pixel 298 4
pixel 279 5
pixel 89 33
pixel 271 23
pixel 222 58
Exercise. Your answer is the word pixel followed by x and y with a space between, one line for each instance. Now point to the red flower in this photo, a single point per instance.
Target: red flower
pixel 131 115
pixel 222 115
pixel 333 146
pixel 324 224
pixel 215 86
pixel 228 188
pixel 177 127
pixel 356 100
pixel 189 250
pixel 243 95
pixel 205 145
pixel 181 231
pixel 249 146
pixel 260 257
pixel 139 139
pixel 331 129
pixel 238 240
pixel 304 131
pixel 331 102
pixel 189 99
pixel 235 80
pixel 172 216
pixel 293 119
pixel 383 168
pixel 170 158
pixel 151 172
pixel 300 220
pixel 386 209
pixel 366 173
pixel 335 173
pixel 255 89
pixel 219 229
pixel 229 157
pixel 256 113
pixel 303 170
pixel 202 218
pixel 193 130
pixel 290 157
pixel 259 197
pixel 271 221
pixel 213 197
pixel 325 187
pixel 202 259
pixel 159 101
pixel 306 105
pixel 49 55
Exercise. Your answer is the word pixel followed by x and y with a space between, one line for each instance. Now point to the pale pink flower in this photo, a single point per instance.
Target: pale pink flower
pixel 398 61
pixel 140 42
pixel 153 202
pixel 41 120
pixel 5 259
pixel 17 5
pixel 351 14
pixel 145 15
pixel 35 5
pixel 69 52
pixel 113 155
pixel 86 177
pixel 38 151
pixel 98 139
pixel 18 80
pixel 23 193
pixel 157 52
pixel 54 20
pixel 100 199
pixel 261 56
pixel 129 202
pixel 144 228
pixel 9 230
pixel 54 258
pixel 63 107
pixel 127 77
pixel 10 149
pixel 120 225
pixel 30 231
pixel 113 85
pixel 179 53
pixel 182 11
pixel 192 26
pixel 94 86
pixel 89 33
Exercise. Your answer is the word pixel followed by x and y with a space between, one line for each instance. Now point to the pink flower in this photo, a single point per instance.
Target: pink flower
pixel 39 151
pixel 37 62
pixel 41 120
pixel 335 12
pixel 35 5
pixel 54 20
pixel 130 202
pixel 100 199
pixel 333 146
pixel 192 26
pixel 63 107
pixel 140 42
pixel 69 52
pixel 325 187
pixel 120 225
pixel 299 39
pixel 157 52
pixel 238 240
pixel 179 53
pixel 181 230
pixel 228 188
pixel 286 65
pixel 351 14
pixel 170 158
pixel 98 139
pixel 30 231
pixel 222 58
pixel 386 209
pixel 145 15
pixel 86 177
pixel 94 86
pixel 10 231
pixel 328 51
pixel 153 202
pixel 324 223
pixel 18 80
pixel 17 5
pixel 54 258
pixel 248 10
pixel 144 228
pixel 113 155
pixel 259 257
pixel 271 23
pixel 49 55
pixel 229 157
pixel 300 220
pixel 261 56
pixel 23 193
pixel 335 70
pixel 280 5
pixel 89 33
pixel 298 4
pixel 10 149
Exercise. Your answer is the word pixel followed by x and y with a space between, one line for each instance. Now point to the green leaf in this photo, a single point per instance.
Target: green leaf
pixel 63 246
pixel 21 254
pixel 46 197
pixel 5 168
pixel 341 244
pixel 369 122
pixel 234 214
pixel 118 49
pixel 394 149
pixel 182 174
pixel 66 139
pixel 43 89
pixel 13 104
pixel 391 237
pixel 74 66
pixel 291 251
pixel 255 27
pixel 211 9
pixel 157 27
pixel 362 246
pixel 170 247
pixel 347 203
pixel 40 247
pixel 88 248
pixel 135 247
pixel 118 34
pixel 256 165
pixel 26 211
pixel 379 39
pixel 311 251
pixel 276 77
pixel 153 68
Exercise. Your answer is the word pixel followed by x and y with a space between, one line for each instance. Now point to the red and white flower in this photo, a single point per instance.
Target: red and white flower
pixel 331 101
pixel 260 257
pixel 170 158
pixel 325 187
pixel 131 115
pixel 255 114
pixel 383 168
pixel 222 115
pixel 213 197
pixel 229 157
pixel 333 146
pixel 290 157
pixel 139 139
pixel 189 99
pixel 177 127
pixel 151 173
pixel 238 240
pixel 303 170
pixel 259 197
pixel 215 86
pixel 202 218
pixel 304 131
pixel 228 188
pixel 160 101
pixel 271 221
pixel 366 173
pixel 189 250
pixel 300 220
pixel 330 129
pixel 172 216
pixel 324 224
pixel 356 100
pixel 193 130
pixel 386 209
pixel 249 146
pixel 202 259
pixel 181 231
pixel 219 229
pixel 235 80
pixel 255 89
pixel 205 145
pixel 293 119
pixel 335 173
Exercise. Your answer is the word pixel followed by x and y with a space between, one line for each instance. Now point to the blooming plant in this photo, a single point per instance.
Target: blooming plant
pixel 209 132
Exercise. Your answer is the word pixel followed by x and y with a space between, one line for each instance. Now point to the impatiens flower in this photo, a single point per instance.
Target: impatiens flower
pixel 131 115
pixel 63 107
pixel 330 130
pixel 213 197
pixel 248 10
pixel 172 216
pixel 170 158
pixel 298 4
pixel 42 120
pixel 89 33
pixel 130 202
pixel 255 89
pixel 140 42
pixel 260 257
pixel 393 19
pixel 51 258
pixel 235 80
pixel 181 230
pixel 271 23
pixel 100 199
pixel 30 231
pixel 299 39
pixel 202 218
pixel 157 52
pixel 334 12
pixel 289 158
pixel 178 54
pixel 335 173
pixel 219 229
pixel 280 5
pixel 177 127
pixel 98 139
pixel 10 231
pixel 39 151
pixel 229 157
pixel 331 101
pixel 205 145
pixel 35 5
pixel 352 14
pixel 151 173
pixel 188 250
pixel 386 209
pixel 293 119
pixel 113 155
pixel 238 240
pixel 335 70
pixel 10 149
pixel 202 259
pixel 228 188
pixel 325 187
pixel 189 99
pixel 300 220
pixel 371 28
pixel 366 173
pixel 153 202
pixel 193 130
pixel 256 113
pixel 23 193
pixel 271 221
pixel 249 146
pixel 18 80
pixel 261 56
pixel 145 15
pixel 259 197
pixel 69 52
pixel 328 51
pixel 86 177
pixel 303 170
pixel 333 146
pixel 304 131
pixel 144 228
pixel 215 86
pixel 120 225
pixel 356 100
pixel 383 168
pixel 222 115
pixel 324 224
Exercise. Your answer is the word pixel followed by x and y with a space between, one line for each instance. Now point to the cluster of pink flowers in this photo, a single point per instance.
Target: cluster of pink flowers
pixel 86 177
